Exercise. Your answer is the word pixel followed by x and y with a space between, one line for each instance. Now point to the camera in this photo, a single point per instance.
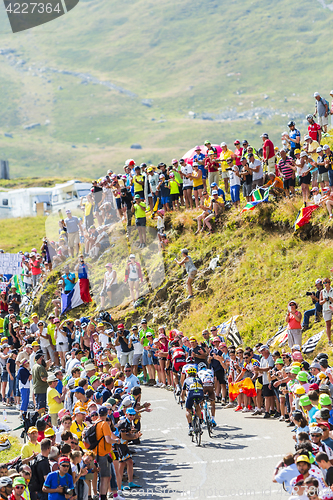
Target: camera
pixel 308 294
pixel 67 491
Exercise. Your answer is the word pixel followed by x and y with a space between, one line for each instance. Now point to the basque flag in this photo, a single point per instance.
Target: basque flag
pixel 79 295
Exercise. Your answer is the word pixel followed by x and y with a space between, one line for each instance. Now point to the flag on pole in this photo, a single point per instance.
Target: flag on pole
pixel 234 335
pixel 304 216
pixel 18 282
pixel 259 195
pixel 272 340
pixel 311 343
pixel 79 295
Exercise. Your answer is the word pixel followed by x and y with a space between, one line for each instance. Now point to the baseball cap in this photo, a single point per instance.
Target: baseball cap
pixel 121 324
pixel 214 192
pixel 306 137
pixel 79 390
pixel 279 361
pixel 49 433
pixel 19 481
pixel 130 411
pixel 216 339
pixel 102 411
pixel 68 211
pixel 326 146
pixel 175 161
pixel 137 196
pixel 264 135
pixel 25 321
pixel 319 149
pixel 296 347
pixel 108 264
pixel 111 401
pixel 143 321
pixel 213 184
pixel 303 458
pixel 207 142
pixel 316 94
pixel 211 152
pixel 262 347
pixel 324 424
pixel 325 400
pixel 80 410
pixel 32 429
pixel 192 339
pixel 315 365
pixel 223 144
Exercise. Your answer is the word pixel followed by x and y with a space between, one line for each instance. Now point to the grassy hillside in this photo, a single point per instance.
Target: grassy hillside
pixel 245 66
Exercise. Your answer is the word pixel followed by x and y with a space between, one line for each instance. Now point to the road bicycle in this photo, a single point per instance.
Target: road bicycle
pixel 197 431
pixel 207 416
pixel 177 386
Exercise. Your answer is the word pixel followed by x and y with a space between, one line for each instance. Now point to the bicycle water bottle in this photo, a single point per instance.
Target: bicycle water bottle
pixel 4 414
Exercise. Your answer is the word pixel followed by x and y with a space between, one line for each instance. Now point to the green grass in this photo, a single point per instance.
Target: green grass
pixel 185 56
pixel 13 452
pixel 22 234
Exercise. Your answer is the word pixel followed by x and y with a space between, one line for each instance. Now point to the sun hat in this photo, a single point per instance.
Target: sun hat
pixel 93 379
pixel 325 400
pixel 302 377
pixel 49 433
pixel 299 390
pixel 324 424
pixel 279 361
pixel 19 481
pixel 304 401
pixel 295 370
pixel 51 378
pixel 108 264
pixel 32 429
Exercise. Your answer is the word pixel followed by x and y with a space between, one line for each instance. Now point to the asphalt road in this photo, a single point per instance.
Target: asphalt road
pixel 237 462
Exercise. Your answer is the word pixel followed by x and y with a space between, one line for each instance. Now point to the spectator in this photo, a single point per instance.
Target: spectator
pixel 246 176
pixel 268 153
pixel 285 472
pixel 257 172
pixel 235 182
pixel 137 349
pixel 40 468
pixel 190 268
pixel 294 139
pixel 131 380
pixel 45 340
pixel 139 208
pixel 216 208
pixel 124 341
pixel 266 364
pixel 68 280
pixel 326 301
pixel 293 318
pixel 314 129
pixel 31 448
pixel 133 275
pixel 74 228
pixel 110 284
pixel 24 376
pixel 321 109
pixel 126 203
pixel 287 169
pixel 316 311
pixel 39 382
pixel 212 166
pixel 225 155
pixel 55 482
pixel 199 158
pixel 54 399
pixel 11 369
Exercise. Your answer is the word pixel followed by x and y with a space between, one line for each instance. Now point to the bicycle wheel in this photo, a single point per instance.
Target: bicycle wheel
pixel 208 422
pixel 197 430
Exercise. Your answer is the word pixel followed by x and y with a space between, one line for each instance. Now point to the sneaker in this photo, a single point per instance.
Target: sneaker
pixel 266 414
pixel 272 413
pixel 257 412
pixel 229 405
pixel 249 407
pixel 214 424
pixel 291 424
pixel 18 407
pixel 238 408
pixel 190 431
pixel 178 391
pixel 133 485
pixel 222 402
pixel 277 414
pixel 120 497
pixel 281 419
pixel 245 410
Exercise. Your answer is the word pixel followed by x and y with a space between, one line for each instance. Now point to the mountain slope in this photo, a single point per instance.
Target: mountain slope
pixel 248 63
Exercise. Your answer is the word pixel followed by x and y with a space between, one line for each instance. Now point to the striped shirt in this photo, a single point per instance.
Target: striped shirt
pixel 285 167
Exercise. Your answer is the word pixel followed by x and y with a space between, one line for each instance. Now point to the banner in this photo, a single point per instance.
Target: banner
pixel 311 343
pixel 10 263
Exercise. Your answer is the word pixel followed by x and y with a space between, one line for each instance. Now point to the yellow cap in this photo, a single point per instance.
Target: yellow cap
pixel 299 390
pixel 295 363
pixel 100 324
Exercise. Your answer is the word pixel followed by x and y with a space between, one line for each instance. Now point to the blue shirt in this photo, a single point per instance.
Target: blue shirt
pixel 293 134
pixel 68 285
pixel 72 224
pixel 201 157
pixel 59 387
pixel 53 480
pixel 131 381
pixel 286 475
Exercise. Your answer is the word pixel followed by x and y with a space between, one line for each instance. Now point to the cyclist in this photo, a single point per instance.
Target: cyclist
pixel 177 358
pixel 189 364
pixel 207 379
pixel 193 386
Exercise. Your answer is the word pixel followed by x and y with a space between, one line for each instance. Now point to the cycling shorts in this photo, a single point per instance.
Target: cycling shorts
pixel 193 397
pixel 177 365
pixel 210 391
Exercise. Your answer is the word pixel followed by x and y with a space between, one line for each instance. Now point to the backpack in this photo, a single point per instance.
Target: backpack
pixel 89 437
pixel 325 101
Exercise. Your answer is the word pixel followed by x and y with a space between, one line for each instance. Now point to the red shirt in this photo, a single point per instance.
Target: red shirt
pixel 35 267
pixel 313 131
pixel 268 143
pixel 211 165
pixel 238 153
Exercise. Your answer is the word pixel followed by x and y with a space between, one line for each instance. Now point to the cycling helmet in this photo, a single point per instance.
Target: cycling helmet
pixel 175 343
pixel 189 359
pixel 291 124
pixel 191 370
pixel 202 366
pixel 309 117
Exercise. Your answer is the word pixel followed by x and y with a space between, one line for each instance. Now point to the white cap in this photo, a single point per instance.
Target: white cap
pixel 223 144
pixel 306 137
pixel 319 149
pixel 284 133
pixel 316 94
pixel 132 256
pixel 303 153
pixel 331 93
pixel 326 146
pixel 215 192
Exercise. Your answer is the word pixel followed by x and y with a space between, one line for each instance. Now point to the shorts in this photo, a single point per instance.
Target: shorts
pixel 118 203
pixel 234 192
pixel 210 391
pixel 4 376
pixel 40 401
pixel 314 175
pixel 258 385
pixel 165 200
pixel 180 187
pixel 247 189
pixel 174 197
pixel 177 365
pixel 141 222
pixel 193 398
pixel 219 374
pixel 126 357
pixel 196 188
pixel 104 466
pixel 73 239
pixel 141 193
pixel 271 165
pixel 257 182
pixel 62 347
pixel 123 452
pixel 323 177
pixel 288 183
pixel 187 187
pixel 327 315
pixel 192 274
pixel 266 391
pixel 306 179
pixel 146 360
pixel 323 120
pixel 136 359
pixel 225 175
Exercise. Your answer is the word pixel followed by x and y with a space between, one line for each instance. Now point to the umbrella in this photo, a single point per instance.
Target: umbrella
pixel 189 155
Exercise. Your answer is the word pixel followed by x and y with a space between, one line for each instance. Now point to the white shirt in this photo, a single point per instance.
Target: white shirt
pixel 259 174
pixel 265 363
pixel 234 179
pixel 44 342
pixel 103 339
pixel 187 170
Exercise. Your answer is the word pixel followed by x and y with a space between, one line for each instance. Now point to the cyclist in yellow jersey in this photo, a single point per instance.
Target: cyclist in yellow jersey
pixel 139 209
pixel 196 177
pixel 205 201
pixel 138 183
pixel 216 208
pixel 174 190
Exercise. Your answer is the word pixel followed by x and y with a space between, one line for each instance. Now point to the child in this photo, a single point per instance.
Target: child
pixel 174 191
